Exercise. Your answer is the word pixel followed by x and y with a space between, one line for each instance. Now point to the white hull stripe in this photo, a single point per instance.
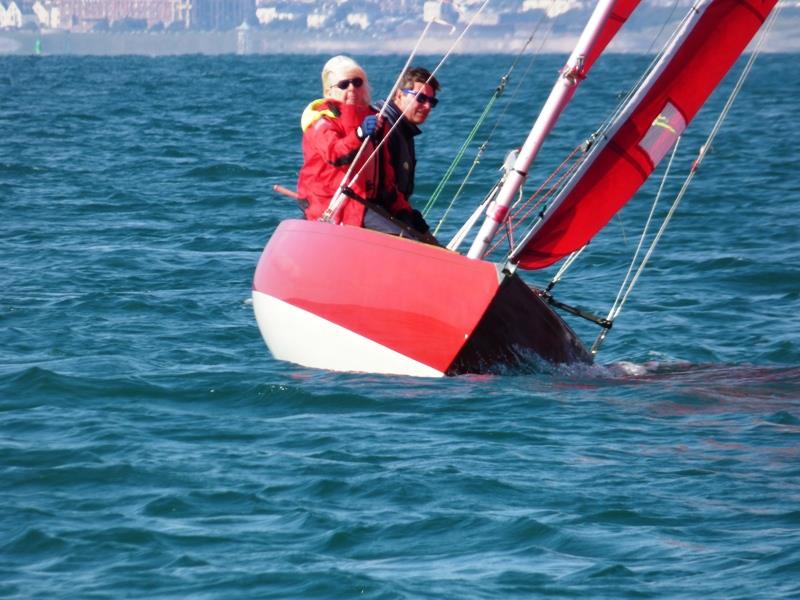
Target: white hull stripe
pixel 301 337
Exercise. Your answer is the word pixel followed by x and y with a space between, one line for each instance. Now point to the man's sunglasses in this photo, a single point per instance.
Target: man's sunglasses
pixel 422 98
pixel 345 83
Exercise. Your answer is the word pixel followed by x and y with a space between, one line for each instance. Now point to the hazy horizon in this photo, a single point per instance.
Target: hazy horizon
pixel 781 39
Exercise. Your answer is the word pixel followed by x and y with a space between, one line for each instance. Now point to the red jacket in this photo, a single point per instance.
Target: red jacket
pixel 330 144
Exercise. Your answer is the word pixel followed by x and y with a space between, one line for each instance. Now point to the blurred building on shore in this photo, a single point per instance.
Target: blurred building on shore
pixel 127 15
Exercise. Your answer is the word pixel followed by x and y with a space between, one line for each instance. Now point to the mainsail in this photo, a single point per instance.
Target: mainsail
pixel 709 43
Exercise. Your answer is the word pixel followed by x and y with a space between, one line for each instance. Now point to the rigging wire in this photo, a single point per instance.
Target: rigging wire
pixel 339 196
pixel 565 267
pixel 663 26
pixel 461 151
pixel 521 211
pixel 479 123
pixel 516 218
pixel 614 309
pixel 624 292
pixel 604 126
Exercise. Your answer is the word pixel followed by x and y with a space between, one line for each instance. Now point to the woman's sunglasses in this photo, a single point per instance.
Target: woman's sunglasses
pixel 345 83
pixel 422 98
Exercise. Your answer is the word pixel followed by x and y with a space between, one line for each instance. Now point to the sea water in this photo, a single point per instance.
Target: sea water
pixel 151 447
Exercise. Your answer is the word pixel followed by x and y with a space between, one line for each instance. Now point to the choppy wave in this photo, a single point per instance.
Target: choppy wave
pixel 151 447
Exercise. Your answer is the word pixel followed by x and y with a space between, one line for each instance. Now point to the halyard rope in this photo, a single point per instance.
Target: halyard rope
pixel 339 196
pixel 495 95
pixel 623 296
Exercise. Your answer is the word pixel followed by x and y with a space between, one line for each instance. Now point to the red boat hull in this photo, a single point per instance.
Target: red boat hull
pixel 352 299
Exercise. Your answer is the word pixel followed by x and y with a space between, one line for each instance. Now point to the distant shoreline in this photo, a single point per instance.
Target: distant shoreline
pixel 257 42
pixel 784 39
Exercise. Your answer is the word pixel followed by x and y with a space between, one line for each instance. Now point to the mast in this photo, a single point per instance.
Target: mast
pixel 596 35
pixel 710 40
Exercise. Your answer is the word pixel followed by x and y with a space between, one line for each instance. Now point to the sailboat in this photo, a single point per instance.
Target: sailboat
pixel 351 299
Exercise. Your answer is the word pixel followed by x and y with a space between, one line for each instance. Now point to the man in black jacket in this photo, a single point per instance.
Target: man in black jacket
pixel 411 104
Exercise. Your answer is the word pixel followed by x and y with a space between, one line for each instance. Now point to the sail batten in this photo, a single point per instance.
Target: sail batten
pixel 646 129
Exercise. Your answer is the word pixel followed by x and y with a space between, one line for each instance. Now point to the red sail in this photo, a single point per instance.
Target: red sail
pixel 616 170
pixel 619 14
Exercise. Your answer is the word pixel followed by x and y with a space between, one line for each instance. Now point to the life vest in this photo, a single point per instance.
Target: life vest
pixel 330 144
pixel 316 110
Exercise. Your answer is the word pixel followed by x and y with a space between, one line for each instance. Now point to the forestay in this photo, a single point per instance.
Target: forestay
pixel 606 20
pixel 705 49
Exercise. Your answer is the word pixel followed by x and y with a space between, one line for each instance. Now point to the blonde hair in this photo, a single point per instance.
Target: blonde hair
pixel 340 63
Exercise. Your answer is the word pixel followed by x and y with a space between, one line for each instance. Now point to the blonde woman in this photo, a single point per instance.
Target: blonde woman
pixel 334 128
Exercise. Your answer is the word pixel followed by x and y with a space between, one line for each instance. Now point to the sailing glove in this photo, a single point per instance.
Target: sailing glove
pixel 368 126
pixel 414 219
pixel 418 222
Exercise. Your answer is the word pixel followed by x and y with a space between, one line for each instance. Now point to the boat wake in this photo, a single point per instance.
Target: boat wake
pixel 747 378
